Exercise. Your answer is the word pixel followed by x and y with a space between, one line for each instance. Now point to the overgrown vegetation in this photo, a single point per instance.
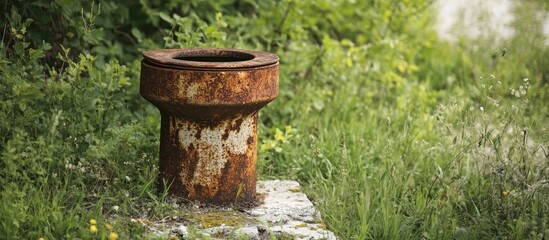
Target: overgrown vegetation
pixel 394 133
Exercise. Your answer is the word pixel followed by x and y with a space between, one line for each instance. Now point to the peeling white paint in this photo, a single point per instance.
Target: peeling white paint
pixel 237 140
pixel 213 151
pixel 187 135
pixel 192 90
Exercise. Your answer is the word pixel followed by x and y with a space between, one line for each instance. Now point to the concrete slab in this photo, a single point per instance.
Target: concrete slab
pixel 285 213
pixel 288 211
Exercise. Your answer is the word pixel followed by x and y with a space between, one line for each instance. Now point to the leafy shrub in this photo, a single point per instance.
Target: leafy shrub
pixel 65 130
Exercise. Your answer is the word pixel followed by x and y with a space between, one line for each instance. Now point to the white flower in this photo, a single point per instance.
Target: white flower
pixel 70 166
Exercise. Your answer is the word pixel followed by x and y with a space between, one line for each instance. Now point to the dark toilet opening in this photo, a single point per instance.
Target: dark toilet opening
pixel 215 56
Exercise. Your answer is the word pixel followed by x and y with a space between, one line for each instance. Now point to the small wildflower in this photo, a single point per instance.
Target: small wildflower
pixel 69 166
pixel 506 193
pixel 128 178
pixel 93 221
pixel 279 135
pixel 93 229
pixel 481 109
pixel 115 208
pixel 113 236
pixel 108 226
pixel 41 238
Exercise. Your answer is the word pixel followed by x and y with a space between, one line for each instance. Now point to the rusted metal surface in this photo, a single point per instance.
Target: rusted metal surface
pixel 209 100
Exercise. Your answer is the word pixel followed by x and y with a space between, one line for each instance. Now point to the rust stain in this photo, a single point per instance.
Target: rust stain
pixel 208 140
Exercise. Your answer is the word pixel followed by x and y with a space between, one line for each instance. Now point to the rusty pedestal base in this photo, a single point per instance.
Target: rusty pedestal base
pixel 210 162
pixel 209 100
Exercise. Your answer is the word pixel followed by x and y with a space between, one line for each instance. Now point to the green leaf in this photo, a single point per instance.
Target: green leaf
pixel 137 34
pixel 166 18
pixel 28 22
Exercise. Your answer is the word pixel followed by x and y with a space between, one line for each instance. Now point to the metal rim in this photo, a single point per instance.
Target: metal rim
pixel 210 58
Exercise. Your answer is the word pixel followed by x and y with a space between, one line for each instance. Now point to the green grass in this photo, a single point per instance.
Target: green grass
pixel 451 153
pixel 393 133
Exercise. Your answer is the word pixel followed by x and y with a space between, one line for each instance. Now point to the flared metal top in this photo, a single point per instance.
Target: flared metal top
pixel 209 58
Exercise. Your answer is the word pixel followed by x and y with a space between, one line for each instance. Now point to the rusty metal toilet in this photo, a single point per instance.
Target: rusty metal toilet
pixel 209 100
